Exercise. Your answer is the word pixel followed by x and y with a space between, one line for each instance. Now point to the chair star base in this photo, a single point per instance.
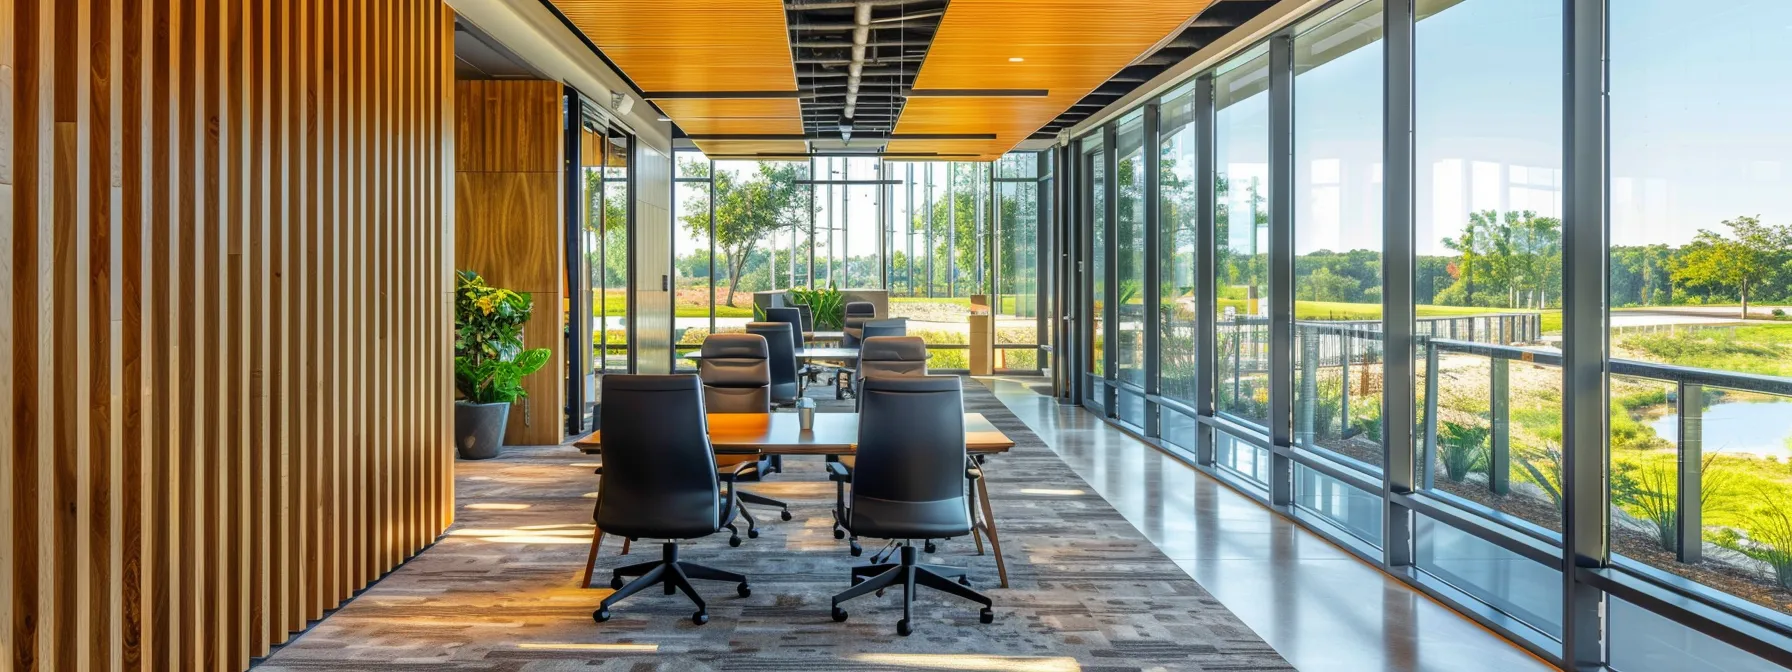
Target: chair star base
pixel 907 575
pixel 674 575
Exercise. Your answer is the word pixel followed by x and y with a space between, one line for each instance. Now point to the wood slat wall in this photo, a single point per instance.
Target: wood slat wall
pixel 226 245
pixel 508 180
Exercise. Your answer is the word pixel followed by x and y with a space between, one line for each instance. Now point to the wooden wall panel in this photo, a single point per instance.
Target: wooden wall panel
pixel 224 327
pixel 508 181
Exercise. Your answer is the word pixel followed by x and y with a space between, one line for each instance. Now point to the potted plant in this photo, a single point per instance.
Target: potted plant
pixel 827 305
pixel 489 362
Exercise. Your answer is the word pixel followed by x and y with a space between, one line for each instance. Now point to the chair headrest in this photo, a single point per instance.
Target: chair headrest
pixel 767 327
pixel 782 315
pixel 860 308
pixel 735 346
pixel 902 384
pixel 893 348
pixel 651 382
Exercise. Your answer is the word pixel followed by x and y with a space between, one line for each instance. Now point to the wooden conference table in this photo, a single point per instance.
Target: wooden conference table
pixel 838 434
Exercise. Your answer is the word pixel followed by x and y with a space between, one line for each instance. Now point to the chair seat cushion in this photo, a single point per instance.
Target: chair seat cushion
pixel 886 519
pixel 644 525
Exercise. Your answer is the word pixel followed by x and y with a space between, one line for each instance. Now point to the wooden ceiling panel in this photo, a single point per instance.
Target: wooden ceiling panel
pixel 733 148
pixel 729 108
pixel 691 45
pixel 1067 47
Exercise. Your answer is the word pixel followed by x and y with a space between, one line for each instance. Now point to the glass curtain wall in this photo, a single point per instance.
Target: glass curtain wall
pixel 607 247
pixel 932 234
pixel 1683 547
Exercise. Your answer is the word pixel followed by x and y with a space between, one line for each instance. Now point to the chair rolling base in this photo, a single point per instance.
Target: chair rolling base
pixel 674 575
pixel 908 574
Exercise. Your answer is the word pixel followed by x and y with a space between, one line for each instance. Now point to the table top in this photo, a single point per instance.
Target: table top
pixel 824 335
pixel 834 434
pixel 805 353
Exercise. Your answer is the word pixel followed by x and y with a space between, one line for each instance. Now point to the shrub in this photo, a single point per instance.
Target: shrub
pixel 1462 449
pixel 1647 490
pixel 1768 537
pixel 1544 469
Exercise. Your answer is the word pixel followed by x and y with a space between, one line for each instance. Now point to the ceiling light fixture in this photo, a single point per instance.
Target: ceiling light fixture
pixel 665 118
pixel 1015 59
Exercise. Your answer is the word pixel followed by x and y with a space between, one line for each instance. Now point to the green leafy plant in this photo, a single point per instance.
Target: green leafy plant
pixel 1462 449
pixel 1769 535
pixel 1544 470
pixel 489 359
pixel 1647 490
pixel 828 305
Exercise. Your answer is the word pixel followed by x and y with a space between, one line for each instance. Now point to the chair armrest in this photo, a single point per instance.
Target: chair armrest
pixel 748 468
pixel 599 470
pixel 972 470
pixel 837 471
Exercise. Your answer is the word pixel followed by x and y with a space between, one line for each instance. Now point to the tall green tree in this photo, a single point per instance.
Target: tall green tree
pixel 1752 255
pixel 749 208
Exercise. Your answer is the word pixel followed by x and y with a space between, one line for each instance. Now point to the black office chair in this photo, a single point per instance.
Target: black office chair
pixel 880 356
pixel 853 316
pixel 910 484
pixel 660 483
pixel 737 379
pixel 794 317
pixel 779 343
pixel 843 379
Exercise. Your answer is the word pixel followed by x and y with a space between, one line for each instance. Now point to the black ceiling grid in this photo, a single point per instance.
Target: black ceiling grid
pixel 1217 20
pixel 897 36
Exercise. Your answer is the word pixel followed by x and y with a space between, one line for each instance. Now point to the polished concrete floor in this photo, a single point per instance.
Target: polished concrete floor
pixel 1321 608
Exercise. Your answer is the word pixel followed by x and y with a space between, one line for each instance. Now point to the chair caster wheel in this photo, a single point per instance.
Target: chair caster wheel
pixel 903 629
pixel 839 533
pixel 930 548
pixel 858 580
pixel 734 541
pixel 744 590
pixel 839 615
pixel 880 592
pixel 752 534
pixel 986 616
pixel 616 583
pixel 700 618
pixel 600 615
pixel 964 581
pixel 784 515
pixel 855 549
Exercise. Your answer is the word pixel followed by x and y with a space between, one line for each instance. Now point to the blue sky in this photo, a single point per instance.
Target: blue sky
pixel 1701 123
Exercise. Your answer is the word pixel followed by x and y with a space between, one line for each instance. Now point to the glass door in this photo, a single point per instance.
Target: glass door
pixel 597 215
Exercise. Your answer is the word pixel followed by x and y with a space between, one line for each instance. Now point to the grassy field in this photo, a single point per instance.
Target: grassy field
pixel 616 305
pixel 1764 348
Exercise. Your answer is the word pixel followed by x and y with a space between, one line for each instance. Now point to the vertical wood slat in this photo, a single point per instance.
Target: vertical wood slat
pixel 223 296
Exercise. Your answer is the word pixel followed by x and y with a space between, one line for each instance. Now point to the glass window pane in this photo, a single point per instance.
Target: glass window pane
pixel 1358 512
pixel 1179 205
pixel 1487 211
pixel 693 291
pixel 1701 231
pixel 1096 164
pixel 1337 232
pixel 1643 641
pixel 1513 584
pixel 1241 238
pixel 1129 253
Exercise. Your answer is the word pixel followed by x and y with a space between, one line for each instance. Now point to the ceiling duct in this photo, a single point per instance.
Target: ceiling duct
pixel 855 58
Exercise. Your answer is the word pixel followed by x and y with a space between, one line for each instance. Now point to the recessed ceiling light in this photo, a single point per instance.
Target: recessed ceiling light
pixel 1015 59
pixel 665 118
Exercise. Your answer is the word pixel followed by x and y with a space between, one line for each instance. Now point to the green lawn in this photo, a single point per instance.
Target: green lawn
pixel 616 305
pixel 1335 310
pixel 1760 348
pixel 960 301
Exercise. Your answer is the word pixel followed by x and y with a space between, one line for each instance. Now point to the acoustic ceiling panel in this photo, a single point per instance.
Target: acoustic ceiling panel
pixel 1065 47
pixel 678 50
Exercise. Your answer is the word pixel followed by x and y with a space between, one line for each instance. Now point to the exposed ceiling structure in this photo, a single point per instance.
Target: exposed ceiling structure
pixel 948 79
pixel 1215 21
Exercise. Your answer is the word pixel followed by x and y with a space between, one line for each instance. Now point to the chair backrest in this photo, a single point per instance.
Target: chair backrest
pixel 781 351
pixel 893 356
pixel 790 316
pixel 856 314
pixel 911 444
pixel 891 327
pixel 736 372
pixel 659 469
pixel 807 315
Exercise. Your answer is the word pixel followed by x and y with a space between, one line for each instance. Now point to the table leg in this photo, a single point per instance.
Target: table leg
pixel 976 521
pixel 597 539
pixel 989 526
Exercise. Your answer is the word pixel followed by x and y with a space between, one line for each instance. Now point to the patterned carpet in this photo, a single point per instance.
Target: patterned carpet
pixel 500 590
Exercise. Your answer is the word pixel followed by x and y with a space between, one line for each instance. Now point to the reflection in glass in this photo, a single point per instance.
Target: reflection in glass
pixel 1487 225
pixel 1337 231
pixel 1180 205
pixel 1241 237
pixel 1129 254
pixel 1095 163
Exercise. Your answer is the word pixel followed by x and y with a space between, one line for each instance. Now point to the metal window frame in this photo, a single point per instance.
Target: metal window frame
pixel 1585 548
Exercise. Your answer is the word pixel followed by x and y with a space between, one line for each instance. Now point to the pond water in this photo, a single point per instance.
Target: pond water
pixel 1740 427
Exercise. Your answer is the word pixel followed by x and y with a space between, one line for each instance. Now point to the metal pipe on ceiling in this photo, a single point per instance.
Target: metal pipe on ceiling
pixel 861 17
